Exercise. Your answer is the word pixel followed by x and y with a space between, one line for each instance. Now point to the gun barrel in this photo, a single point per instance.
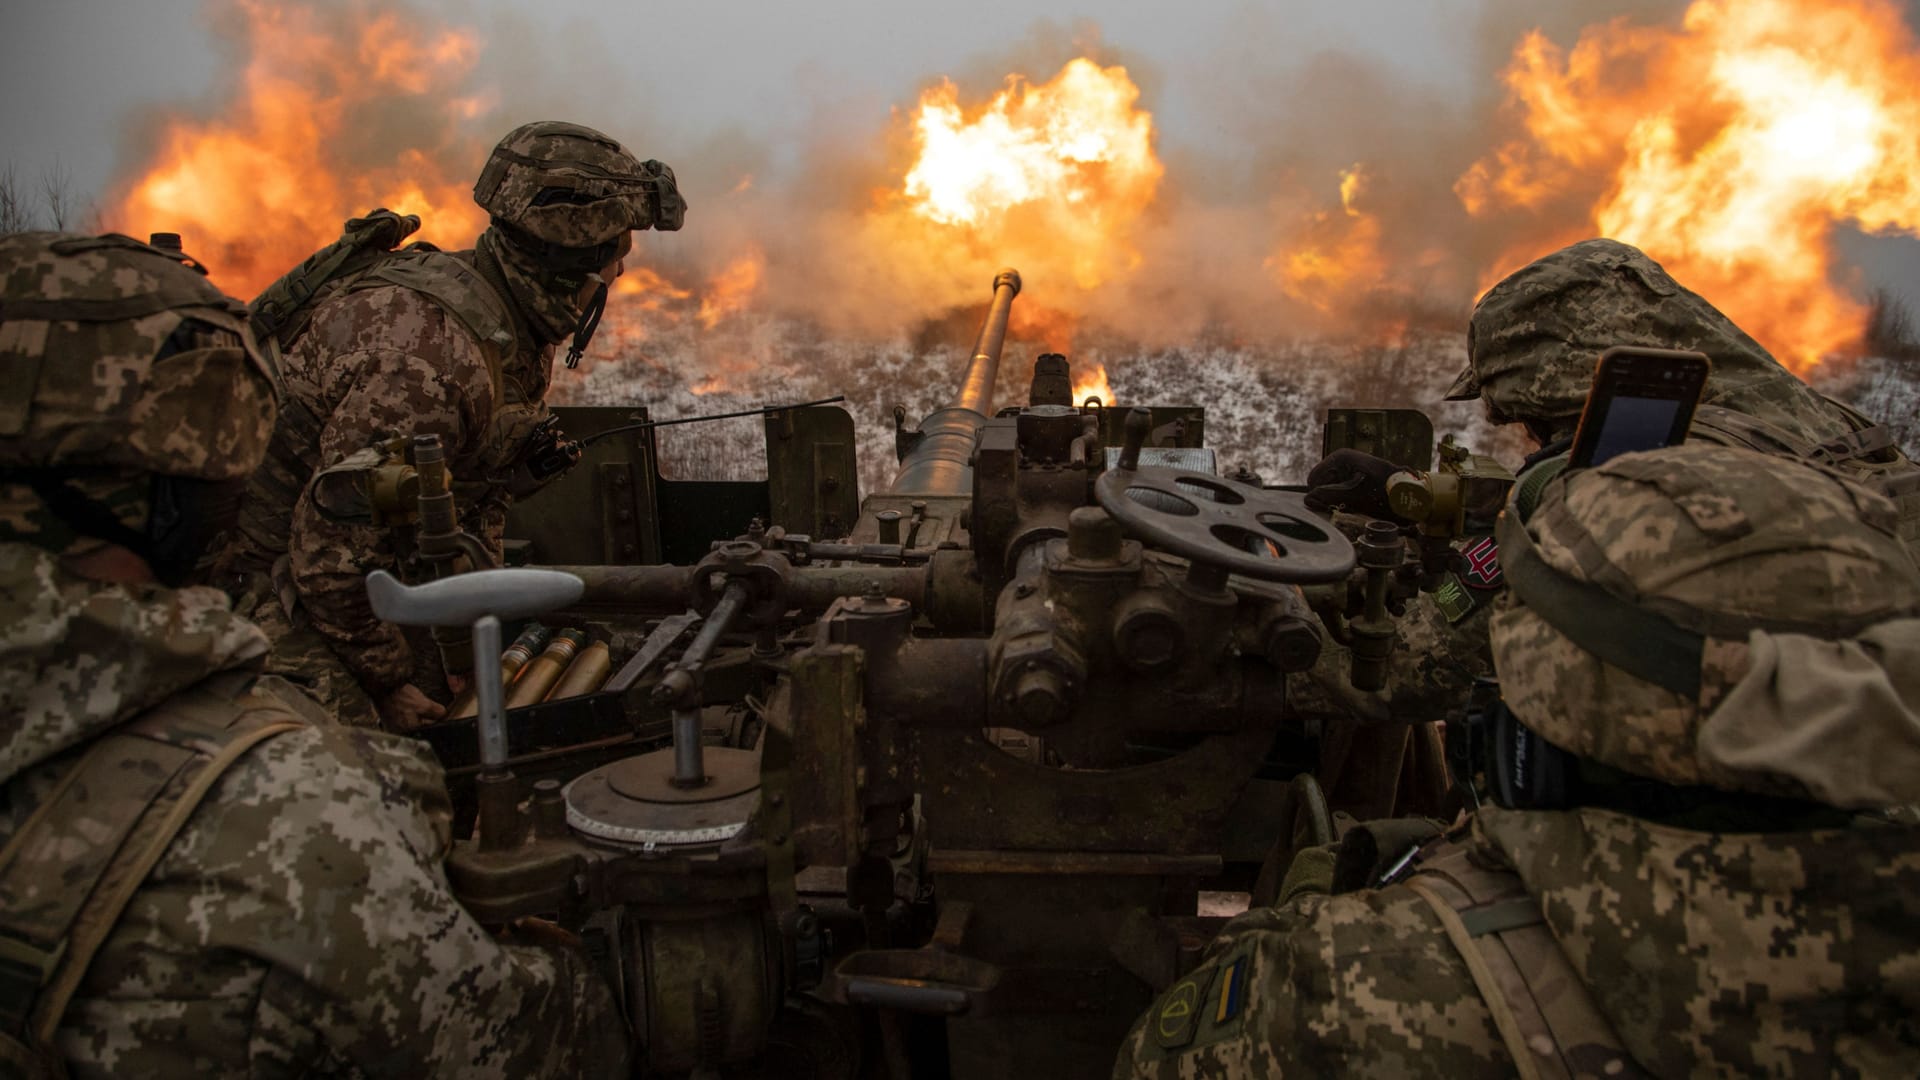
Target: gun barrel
pixel 938 466
pixel 976 390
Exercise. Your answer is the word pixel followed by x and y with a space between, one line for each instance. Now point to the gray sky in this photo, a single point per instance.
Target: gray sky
pixel 75 74
pixel 1241 92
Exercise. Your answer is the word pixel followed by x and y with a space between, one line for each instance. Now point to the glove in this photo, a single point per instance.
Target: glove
pixel 1352 480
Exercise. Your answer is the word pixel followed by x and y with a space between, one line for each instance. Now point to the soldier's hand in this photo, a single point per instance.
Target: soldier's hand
pixel 407 708
pixel 533 930
pixel 1351 480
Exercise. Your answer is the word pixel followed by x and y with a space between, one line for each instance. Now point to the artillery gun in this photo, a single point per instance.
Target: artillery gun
pixel 927 785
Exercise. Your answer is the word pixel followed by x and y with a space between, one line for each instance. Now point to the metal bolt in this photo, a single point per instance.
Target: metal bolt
pixel 777 799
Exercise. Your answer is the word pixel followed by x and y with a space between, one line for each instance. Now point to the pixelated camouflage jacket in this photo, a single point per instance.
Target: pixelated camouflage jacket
pixel 380 361
pixel 1442 645
pixel 1786 954
pixel 300 923
pixel 1537 336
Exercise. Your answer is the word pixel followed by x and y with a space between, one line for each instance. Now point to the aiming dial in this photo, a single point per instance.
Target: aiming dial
pixel 634 801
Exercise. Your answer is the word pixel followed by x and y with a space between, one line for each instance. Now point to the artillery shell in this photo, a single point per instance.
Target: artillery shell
pixel 530 642
pixel 539 676
pixel 588 670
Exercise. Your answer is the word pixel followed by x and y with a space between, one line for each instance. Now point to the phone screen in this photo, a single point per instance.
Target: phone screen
pixel 1634 423
pixel 1642 399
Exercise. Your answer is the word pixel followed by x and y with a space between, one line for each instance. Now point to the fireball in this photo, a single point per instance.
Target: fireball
pixel 1053 178
pixel 258 188
pixel 1733 149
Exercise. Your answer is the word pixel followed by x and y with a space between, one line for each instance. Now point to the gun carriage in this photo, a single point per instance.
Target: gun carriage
pixel 925 785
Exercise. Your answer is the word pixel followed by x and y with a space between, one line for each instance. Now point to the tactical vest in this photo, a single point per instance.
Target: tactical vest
pixel 1545 1014
pixel 466 295
pixel 1865 454
pixel 72 869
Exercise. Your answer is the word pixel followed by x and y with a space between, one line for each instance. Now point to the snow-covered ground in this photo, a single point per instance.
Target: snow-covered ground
pixel 1264 401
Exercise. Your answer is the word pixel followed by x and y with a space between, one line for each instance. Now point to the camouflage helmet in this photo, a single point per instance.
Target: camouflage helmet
pixel 1707 615
pixel 568 193
pixel 121 364
pixel 1535 336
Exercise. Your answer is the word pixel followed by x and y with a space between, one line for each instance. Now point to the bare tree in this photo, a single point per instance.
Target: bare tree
pixel 16 211
pixel 56 195
pixel 1890 329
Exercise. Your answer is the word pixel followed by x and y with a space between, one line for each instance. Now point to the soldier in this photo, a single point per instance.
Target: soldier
pixel 199 874
pixel 417 342
pixel 1532 346
pixel 1708 660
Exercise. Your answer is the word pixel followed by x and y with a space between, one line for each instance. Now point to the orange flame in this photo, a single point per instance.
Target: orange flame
pixel 256 190
pixel 1091 381
pixel 1341 255
pixel 1732 148
pixel 730 291
pixel 1052 178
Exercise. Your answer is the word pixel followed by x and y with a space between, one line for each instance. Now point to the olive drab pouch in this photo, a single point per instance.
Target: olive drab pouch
pixel 120 806
pixel 1549 1021
pixel 282 313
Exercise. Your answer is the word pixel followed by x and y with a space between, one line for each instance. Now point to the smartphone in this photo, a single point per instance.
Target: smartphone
pixel 1642 399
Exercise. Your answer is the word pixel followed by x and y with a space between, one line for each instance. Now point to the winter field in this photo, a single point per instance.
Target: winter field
pixel 1264 402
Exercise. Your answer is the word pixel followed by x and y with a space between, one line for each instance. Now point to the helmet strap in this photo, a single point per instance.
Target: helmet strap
pixel 589 322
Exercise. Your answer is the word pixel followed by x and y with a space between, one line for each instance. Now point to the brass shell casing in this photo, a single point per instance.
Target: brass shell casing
pixel 531 640
pixel 589 669
pixel 539 676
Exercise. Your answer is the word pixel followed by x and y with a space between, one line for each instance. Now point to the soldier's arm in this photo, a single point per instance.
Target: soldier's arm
pixel 1365 984
pixel 432 391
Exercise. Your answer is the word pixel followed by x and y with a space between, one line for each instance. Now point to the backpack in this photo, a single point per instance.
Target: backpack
pixel 1865 454
pixel 281 313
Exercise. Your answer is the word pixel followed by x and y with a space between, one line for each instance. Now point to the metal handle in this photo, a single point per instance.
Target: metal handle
pixel 463 598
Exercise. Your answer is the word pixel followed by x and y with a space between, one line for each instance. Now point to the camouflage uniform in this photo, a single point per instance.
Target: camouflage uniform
pixel 299 921
pixel 1532 346
pixel 1782 941
pixel 1782 946
pixel 456 344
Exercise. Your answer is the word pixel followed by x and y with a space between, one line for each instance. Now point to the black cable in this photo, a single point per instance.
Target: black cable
pixel 597 436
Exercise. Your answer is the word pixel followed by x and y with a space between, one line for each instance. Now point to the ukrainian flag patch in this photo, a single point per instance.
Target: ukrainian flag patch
pixel 1233 990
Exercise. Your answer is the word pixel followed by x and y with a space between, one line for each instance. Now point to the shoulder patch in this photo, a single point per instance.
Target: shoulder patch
pixel 1177 1016
pixel 1453 600
pixel 1480 564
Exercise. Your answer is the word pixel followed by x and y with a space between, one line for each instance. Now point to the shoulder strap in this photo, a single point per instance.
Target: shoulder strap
pixel 69 873
pixel 1548 1020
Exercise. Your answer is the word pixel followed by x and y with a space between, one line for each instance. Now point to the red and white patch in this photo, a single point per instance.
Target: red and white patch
pixel 1480 564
